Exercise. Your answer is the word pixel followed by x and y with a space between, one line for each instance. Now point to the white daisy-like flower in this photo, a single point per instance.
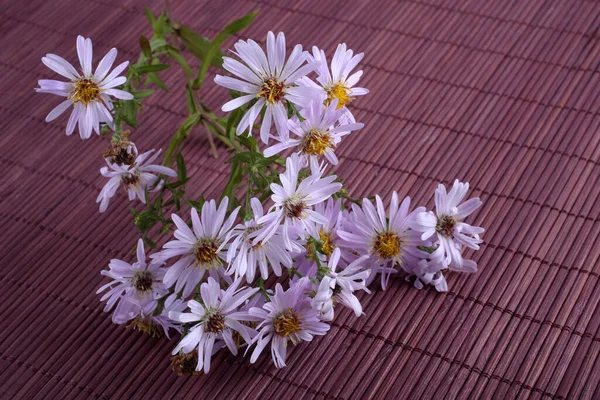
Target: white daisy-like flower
pixel 348 280
pixel 328 238
pixel 339 285
pixel 139 280
pixel 171 304
pixel 135 177
pixel 316 136
pixel 322 300
pixel 447 225
pixel 88 92
pixel 429 271
pixel 135 311
pixel 339 83
pixel 216 318
pixel 328 232
pixel 244 257
pixel 287 317
pixel 294 202
pixel 270 79
pixel 141 314
pixel 200 250
pixel 389 241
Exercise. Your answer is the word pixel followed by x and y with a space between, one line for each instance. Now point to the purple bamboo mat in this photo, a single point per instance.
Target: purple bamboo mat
pixel 503 94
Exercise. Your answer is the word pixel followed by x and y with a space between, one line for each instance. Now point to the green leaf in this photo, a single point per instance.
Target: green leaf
pixel 181 134
pixel 129 113
pixel 199 45
pixel 176 55
pixel 195 204
pixel 142 93
pixel 145 46
pixel 149 242
pixel 161 23
pixel 152 77
pixel 150 17
pixel 229 30
pixel 145 220
pixel 157 43
pixel 146 69
pixel 234 180
pixel 189 97
pixel 175 185
pixel 181 169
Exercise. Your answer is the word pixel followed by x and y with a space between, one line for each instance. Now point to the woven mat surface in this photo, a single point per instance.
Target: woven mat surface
pixel 501 93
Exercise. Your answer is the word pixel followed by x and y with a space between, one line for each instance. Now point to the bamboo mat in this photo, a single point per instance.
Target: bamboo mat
pixel 501 93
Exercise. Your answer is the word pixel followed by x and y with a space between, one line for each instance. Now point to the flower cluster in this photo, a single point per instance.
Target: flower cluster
pixel 293 229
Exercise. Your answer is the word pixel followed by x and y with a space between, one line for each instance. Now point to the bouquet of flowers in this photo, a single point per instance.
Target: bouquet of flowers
pixel 270 262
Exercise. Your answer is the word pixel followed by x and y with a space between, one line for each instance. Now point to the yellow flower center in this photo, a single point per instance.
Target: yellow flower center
pixel 339 92
pixel 206 253
pixel 315 143
pixel 445 225
pixel 387 245
pixel 85 91
pixel 287 323
pixel 326 243
pixel 147 326
pixel 272 90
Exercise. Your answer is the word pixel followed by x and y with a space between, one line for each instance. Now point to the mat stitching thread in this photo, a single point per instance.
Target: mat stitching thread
pixel 436 40
pixel 371 335
pixel 448 360
pixel 482 192
pixel 571 331
pixel 133 9
pixel 27 168
pixel 431 40
pixel 435 6
pixel 442 127
pixel 454 130
pixel 62 235
pixel 56 377
pixel 350 329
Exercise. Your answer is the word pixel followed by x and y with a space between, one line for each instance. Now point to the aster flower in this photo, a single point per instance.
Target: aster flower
pixel 293 203
pixel 141 314
pixel 389 241
pixel 327 237
pixel 339 285
pixel 348 280
pixel 244 257
pixel 447 225
pixel 316 136
pixel 138 280
pixel 135 177
pixel 171 304
pixel 429 271
pixel 287 317
pixel 200 250
pixel 322 300
pixel 217 318
pixel 340 83
pixel 88 92
pixel 135 312
pixel 270 79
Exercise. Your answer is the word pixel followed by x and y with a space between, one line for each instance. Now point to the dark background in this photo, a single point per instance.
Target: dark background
pixel 500 93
